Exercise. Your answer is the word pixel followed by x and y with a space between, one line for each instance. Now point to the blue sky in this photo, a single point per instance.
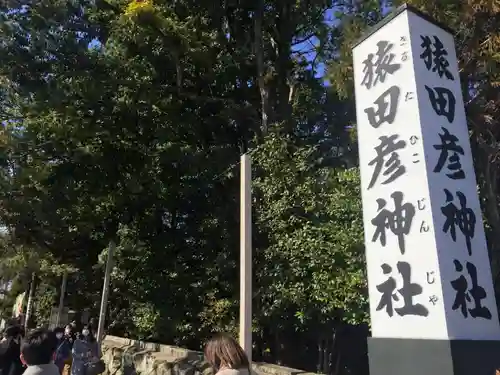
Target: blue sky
pixel 314 42
pixel 331 21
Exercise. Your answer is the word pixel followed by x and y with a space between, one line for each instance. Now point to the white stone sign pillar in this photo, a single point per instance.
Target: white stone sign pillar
pixel 429 273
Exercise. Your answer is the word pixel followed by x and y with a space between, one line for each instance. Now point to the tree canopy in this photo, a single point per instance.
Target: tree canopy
pixel 124 121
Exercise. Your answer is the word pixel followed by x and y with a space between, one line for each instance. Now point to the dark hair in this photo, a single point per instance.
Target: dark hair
pixel 38 347
pixel 59 330
pixel 223 351
pixel 12 334
pixel 91 336
pixel 12 331
pixel 75 327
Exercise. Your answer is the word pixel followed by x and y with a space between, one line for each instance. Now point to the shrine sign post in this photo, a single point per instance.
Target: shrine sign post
pixel 432 303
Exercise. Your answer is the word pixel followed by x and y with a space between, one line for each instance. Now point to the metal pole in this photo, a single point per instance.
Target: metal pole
pixel 105 292
pixel 61 298
pixel 246 256
pixel 29 305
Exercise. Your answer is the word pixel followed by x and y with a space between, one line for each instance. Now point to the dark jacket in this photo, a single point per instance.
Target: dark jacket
pixel 10 361
pixel 63 353
pixel 82 352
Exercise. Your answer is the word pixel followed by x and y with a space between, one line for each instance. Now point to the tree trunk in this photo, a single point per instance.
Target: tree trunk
pixel 286 28
pixel 60 308
pixel 261 68
pixel 29 305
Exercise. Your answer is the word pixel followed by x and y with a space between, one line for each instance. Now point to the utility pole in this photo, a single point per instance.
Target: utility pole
pixel 105 292
pixel 61 298
pixel 246 256
pixel 29 305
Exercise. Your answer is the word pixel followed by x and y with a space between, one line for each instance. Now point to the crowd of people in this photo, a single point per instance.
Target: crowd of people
pixel 69 351
pixel 73 351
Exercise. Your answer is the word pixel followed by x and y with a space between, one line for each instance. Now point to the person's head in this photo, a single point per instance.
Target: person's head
pixel 87 333
pixel 13 332
pixel 38 347
pixel 222 351
pixel 59 332
pixel 68 330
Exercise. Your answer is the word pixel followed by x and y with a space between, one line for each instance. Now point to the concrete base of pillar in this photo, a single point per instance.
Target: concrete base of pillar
pixel 433 357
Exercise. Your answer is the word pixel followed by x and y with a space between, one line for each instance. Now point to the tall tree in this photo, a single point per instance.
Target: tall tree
pixel 125 121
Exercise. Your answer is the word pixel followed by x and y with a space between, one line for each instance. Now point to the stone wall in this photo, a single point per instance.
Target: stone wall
pixel 131 357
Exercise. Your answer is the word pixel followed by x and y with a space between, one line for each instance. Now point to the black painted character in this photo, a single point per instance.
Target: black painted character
pixel 463 293
pixel 408 291
pixel 387 158
pixel 377 70
pixel 463 217
pixel 387 105
pixel 442 101
pixel 434 56
pixel 450 155
pixel 398 221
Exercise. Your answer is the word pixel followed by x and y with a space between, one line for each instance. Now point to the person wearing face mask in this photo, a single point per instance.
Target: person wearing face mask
pixel 63 351
pixel 85 352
